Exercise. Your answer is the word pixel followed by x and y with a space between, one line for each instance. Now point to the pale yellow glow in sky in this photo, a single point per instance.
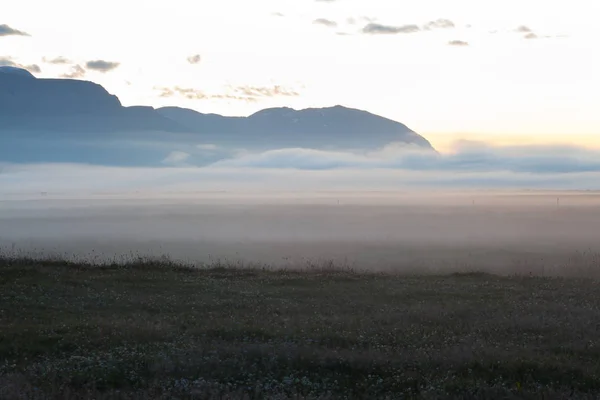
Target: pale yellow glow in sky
pixel 502 87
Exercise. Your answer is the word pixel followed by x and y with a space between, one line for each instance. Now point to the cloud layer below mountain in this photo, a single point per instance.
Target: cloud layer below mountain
pixel 468 165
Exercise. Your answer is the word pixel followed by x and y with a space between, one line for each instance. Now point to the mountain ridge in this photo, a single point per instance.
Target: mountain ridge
pixel 68 120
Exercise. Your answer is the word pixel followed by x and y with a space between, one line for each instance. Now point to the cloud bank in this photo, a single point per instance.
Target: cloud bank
pixel 469 165
pixel 466 156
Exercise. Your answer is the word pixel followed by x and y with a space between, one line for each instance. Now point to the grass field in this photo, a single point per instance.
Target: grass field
pixel 156 330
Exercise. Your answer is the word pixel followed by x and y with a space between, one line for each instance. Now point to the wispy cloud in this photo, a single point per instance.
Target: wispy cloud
pixel 198 94
pixel 57 60
pixel 325 22
pixel 101 65
pixel 6 30
pixel 458 43
pixel 379 29
pixel 241 93
pixel 523 29
pixel 75 72
pixel 277 14
pixel 195 59
pixel 527 31
pixel 33 68
pixel 9 62
pixel 265 91
pixel 439 24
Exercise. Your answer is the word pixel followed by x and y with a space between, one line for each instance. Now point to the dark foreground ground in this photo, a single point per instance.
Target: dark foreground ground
pixel 152 330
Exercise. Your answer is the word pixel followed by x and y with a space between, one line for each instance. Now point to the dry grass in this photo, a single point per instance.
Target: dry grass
pixel 154 329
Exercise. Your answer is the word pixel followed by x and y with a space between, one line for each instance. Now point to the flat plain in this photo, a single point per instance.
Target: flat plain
pixel 152 329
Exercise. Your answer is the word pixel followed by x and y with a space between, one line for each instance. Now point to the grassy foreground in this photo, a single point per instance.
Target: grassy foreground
pixel 148 330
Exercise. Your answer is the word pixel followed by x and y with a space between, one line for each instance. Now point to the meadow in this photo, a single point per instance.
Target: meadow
pixel 155 329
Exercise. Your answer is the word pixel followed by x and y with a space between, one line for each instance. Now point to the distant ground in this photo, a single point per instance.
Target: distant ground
pixel 421 232
pixel 156 330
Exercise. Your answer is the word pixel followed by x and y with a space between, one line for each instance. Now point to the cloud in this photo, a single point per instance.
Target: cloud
pixel 458 43
pixel 57 60
pixel 241 93
pixel 75 72
pixel 77 178
pixel 189 93
pixel 33 68
pixel 264 91
pixel 277 14
pixel 176 158
pixel 101 65
pixel 198 94
pixel 325 22
pixel 6 30
pixel 528 32
pixel 469 165
pixel 379 29
pixel 165 92
pixel 523 29
pixel 9 62
pixel 376 28
pixel 465 157
pixel 439 24
pixel 195 59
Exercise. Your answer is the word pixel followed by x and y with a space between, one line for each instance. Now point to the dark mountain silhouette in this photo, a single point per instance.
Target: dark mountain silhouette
pixel 313 127
pixel 73 121
pixel 67 105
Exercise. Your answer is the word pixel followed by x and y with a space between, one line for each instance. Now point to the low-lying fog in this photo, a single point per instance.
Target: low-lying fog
pixel 529 232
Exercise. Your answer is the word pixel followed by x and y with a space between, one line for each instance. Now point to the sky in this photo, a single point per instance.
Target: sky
pixel 505 72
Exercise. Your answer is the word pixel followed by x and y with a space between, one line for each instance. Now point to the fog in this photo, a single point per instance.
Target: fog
pixel 502 232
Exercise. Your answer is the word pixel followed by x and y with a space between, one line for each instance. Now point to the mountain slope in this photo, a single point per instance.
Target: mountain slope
pixel 65 120
pixel 66 105
pixel 313 127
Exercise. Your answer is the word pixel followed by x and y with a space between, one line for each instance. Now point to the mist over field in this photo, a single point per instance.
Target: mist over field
pixel 411 231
